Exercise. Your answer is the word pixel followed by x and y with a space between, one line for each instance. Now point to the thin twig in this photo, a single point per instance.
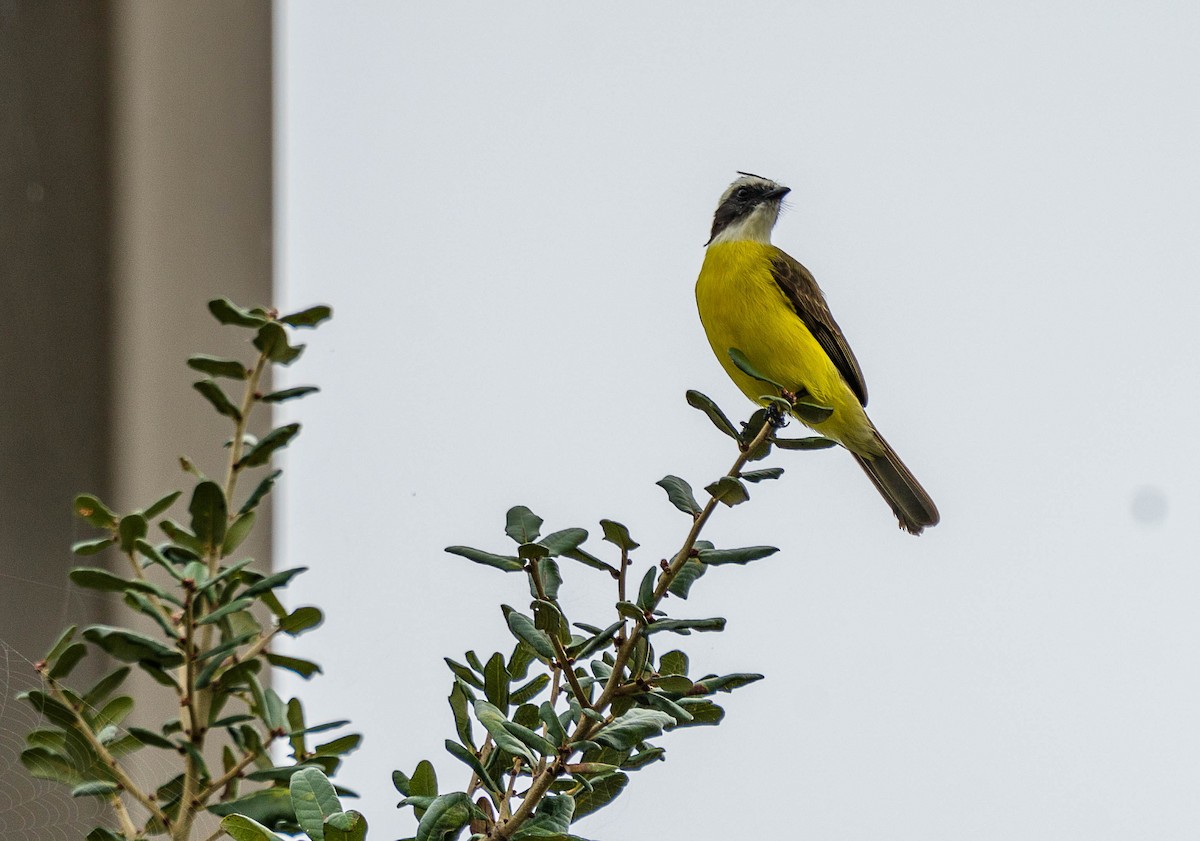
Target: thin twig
pixel 243 763
pixel 128 827
pixel 243 420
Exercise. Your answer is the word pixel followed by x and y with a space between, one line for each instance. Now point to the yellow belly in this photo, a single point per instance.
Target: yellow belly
pixel 742 307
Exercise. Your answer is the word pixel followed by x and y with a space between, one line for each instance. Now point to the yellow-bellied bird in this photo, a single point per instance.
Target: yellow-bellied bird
pixel 758 300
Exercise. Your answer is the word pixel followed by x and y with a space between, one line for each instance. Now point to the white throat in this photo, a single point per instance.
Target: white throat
pixel 753 227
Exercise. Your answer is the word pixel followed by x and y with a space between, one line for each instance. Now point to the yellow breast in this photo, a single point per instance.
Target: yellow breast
pixel 742 307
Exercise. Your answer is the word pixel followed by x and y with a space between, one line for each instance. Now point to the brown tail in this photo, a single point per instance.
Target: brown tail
pixel 911 505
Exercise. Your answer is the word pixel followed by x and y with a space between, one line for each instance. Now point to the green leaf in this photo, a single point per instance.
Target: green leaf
pixel 657 701
pixel 271 582
pixel 743 364
pixel 272 340
pixel 472 761
pixel 673 685
pixel 495 682
pixel 96 788
pixel 130 530
pixel 519 660
pixel 813 443
pixel 493 719
pixel 635 726
pixel 524 629
pixel 45 764
pixel 686 626
pixel 218 398
pixel 646 589
pixel 60 644
pixel 310 317
pixel 532 552
pixel 705 404
pixel 464 673
pixel 149 737
pixel 673 663
pixel 531 738
pixel 424 780
pixel 276 439
pixel 566 540
pixel 530 690
pixel 272 710
pixel 161 505
pixel 346 826
pixel 552 817
pixel 445 818
pixel 226 574
pixel 225 610
pixel 702 711
pixel 810 412
pixel 300 620
pixel 217 367
pixel 227 312
pixel 90 508
pixel 460 706
pixel 271 807
pixel 132 647
pixel 588 559
pixel 761 475
pixel 522 525
pixel 329 725
pixel 182 537
pixel 264 488
pixel 242 828
pixel 618 534
pixel 729 491
pixel 95 578
pixel 724 683
pixel 67 661
pixel 304 668
pixel 289 394
pixel 295 714
pixel 631 611
pixel 595 642
pixel 105 687
pixel 91 547
pixel 422 786
pixel 603 791
pixel 101 834
pixel 643 758
pixel 504 562
pixel 238 531
pixel 680 494
pixel 551 577
pixel 114 712
pixel 209 515
pixel 554 726
pixel 714 557
pixel 340 746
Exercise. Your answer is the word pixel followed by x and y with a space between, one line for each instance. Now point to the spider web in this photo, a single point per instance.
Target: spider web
pixel 33 809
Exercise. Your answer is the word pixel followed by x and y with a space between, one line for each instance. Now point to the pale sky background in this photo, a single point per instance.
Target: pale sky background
pixel 506 205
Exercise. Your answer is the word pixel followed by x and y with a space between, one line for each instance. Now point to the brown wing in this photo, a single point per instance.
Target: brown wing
pixel 806 299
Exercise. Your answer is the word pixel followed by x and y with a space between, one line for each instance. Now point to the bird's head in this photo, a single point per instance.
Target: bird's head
pixel 747 210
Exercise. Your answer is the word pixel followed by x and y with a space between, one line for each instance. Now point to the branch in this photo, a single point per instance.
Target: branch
pixel 223 780
pixel 128 827
pixel 239 434
pixel 586 726
pixel 126 782
pixel 564 662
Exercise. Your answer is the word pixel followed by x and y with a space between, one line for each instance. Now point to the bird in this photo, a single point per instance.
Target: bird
pixel 757 300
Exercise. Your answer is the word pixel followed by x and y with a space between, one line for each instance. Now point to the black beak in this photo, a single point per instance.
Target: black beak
pixel 777 193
